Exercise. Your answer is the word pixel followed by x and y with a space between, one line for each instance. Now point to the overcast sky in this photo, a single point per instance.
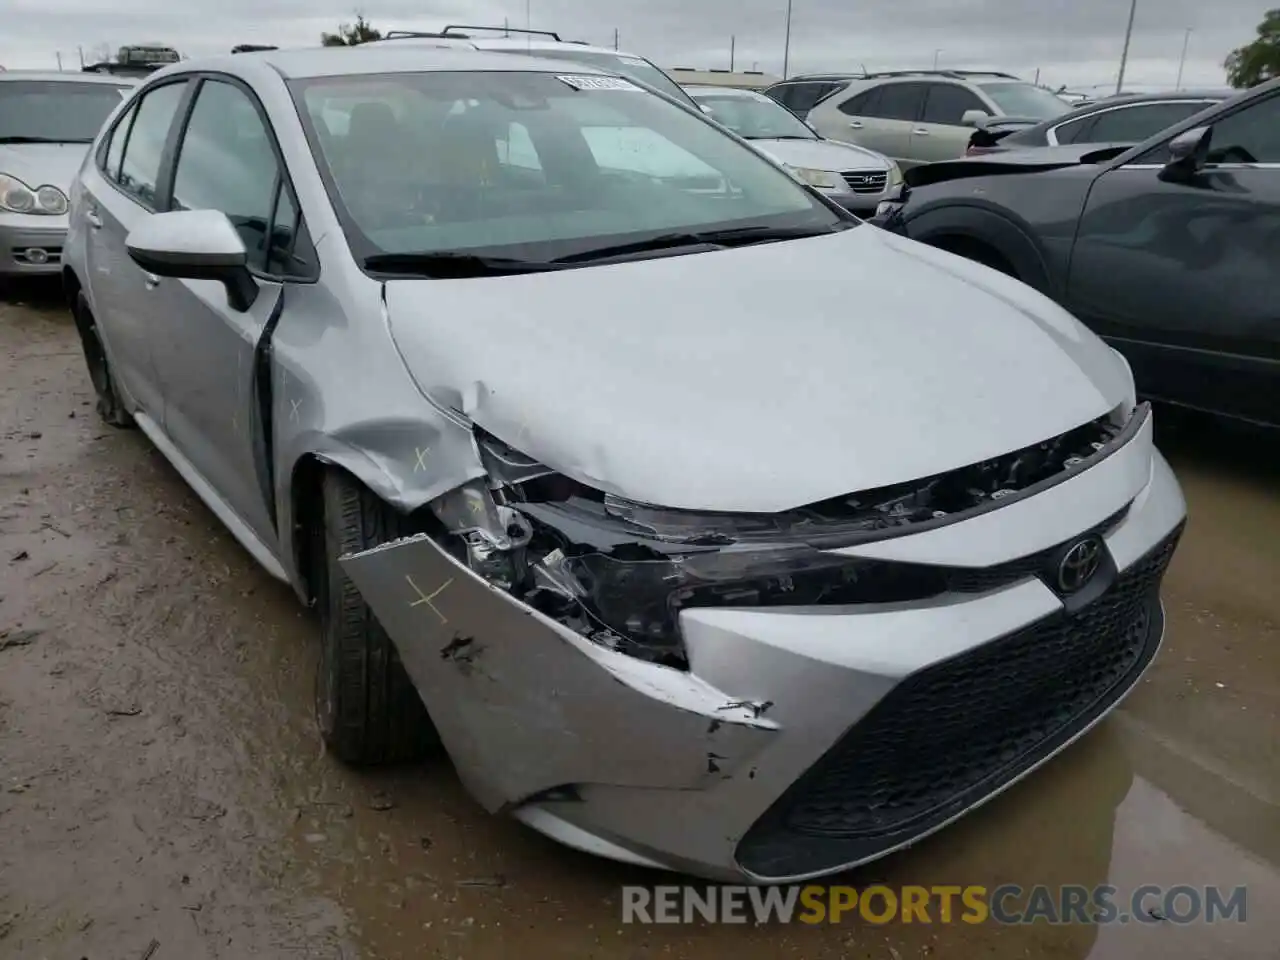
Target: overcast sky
pixel 1077 43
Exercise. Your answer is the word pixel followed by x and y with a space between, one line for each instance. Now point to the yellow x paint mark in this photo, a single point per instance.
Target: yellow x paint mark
pixel 427 598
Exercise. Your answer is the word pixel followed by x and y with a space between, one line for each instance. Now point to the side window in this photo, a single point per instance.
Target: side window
pixel 780 93
pixel 1137 123
pixel 140 163
pixel 899 101
pixel 947 103
pixel 1251 135
pixel 863 105
pixel 1076 130
pixel 226 162
pixel 115 145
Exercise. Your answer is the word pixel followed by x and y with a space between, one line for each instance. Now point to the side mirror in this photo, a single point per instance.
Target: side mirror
pixel 195 245
pixel 705 109
pixel 1188 152
pixel 974 118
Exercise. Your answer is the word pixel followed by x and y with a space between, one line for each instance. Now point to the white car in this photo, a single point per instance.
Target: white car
pixel 855 177
pixel 715 531
pixel 47 121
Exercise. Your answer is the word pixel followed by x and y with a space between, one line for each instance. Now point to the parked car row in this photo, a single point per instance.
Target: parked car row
pixel 704 525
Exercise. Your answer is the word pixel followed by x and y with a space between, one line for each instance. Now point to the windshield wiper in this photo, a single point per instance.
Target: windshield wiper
pixel 18 139
pixel 712 239
pixel 453 264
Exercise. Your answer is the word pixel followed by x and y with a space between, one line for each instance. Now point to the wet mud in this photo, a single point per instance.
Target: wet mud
pixel 163 787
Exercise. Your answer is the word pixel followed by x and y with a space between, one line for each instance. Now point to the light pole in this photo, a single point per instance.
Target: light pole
pixel 1186 41
pixel 936 54
pixel 1128 35
pixel 786 48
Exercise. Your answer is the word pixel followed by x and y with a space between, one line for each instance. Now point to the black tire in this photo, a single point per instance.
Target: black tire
pixel 368 710
pixel 110 408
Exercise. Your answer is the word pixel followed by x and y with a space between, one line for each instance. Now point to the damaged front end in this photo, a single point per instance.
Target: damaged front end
pixel 581 653
pixel 619 573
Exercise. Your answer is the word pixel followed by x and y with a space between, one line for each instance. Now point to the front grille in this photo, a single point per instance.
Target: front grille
pixel 865 182
pixel 38 256
pixel 950 735
pixel 984 579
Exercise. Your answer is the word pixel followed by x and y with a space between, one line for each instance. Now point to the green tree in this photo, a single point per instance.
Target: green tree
pixel 351 34
pixel 1259 61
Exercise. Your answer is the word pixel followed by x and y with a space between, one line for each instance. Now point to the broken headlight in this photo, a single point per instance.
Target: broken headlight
pixel 634 605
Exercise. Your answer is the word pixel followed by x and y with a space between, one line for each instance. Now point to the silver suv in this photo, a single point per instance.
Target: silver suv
pixel 921 116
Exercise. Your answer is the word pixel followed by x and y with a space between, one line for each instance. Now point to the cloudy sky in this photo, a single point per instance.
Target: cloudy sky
pixel 1077 43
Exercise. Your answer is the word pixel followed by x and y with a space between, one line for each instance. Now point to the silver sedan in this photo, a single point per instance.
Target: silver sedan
pixel 705 526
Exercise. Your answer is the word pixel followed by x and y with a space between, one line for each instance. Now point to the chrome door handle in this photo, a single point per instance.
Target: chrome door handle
pixel 95 221
pixel 920 132
pixel 150 281
pixel 855 124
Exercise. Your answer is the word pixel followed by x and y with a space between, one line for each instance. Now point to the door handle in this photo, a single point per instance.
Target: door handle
pixel 92 218
pixel 920 132
pixel 150 281
pixel 855 124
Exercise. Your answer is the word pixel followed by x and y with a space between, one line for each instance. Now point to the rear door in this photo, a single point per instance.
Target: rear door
pixel 121 190
pixel 227 160
pixel 1183 276
pixel 940 135
pixel 880 119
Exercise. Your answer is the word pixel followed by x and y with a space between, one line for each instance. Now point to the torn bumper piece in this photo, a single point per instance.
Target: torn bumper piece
pixel 800 741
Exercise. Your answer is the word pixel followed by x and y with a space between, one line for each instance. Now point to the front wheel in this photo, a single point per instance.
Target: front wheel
pixel 368 709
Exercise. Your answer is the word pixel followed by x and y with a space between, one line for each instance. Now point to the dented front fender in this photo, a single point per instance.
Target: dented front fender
pixel 525 705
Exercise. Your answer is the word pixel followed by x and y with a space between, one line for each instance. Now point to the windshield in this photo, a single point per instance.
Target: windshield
pixel 55 111
pixel 1025 100
pixel 755 118
pixel 638 68
pixel 534 165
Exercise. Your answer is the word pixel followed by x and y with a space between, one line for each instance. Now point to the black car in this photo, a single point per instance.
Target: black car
pixel 1130 118
pixel 1170 249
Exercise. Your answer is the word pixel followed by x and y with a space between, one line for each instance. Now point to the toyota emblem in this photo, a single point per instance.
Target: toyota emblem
pixel 1079 564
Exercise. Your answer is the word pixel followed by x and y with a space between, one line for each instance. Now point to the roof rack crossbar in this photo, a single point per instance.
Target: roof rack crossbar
pixel 420 34
pixel 449 31
pixel 953 74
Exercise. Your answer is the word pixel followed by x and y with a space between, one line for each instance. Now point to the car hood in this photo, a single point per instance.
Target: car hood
pixel 761 378
pixel 38 164
pixel 821 155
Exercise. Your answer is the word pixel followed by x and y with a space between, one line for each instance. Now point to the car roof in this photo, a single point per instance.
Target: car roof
pixel 374 58
pixel 1117 99
pixel 66 77
pixel 503 44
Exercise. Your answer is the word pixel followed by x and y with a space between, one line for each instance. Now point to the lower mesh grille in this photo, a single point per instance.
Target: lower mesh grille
pixel 949 735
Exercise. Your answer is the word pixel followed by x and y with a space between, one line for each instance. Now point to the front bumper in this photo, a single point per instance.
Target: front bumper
pixel 31 244
pixel 802 741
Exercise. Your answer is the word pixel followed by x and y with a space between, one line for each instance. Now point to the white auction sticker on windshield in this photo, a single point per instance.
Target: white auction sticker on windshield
pixel 585 82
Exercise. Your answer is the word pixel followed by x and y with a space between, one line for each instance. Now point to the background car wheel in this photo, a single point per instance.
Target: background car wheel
pixel 110 408
pixel 368 710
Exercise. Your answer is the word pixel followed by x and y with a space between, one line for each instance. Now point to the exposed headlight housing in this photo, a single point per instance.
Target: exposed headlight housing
pixel 895 174
pixel 17 197
pixel 822 179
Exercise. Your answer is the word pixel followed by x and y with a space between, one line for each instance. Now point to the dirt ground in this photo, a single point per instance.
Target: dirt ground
pixel 164 794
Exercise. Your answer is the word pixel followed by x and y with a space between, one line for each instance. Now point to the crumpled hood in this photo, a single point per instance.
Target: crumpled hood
pixel 821 154
pixel 37 164
pixel 760 378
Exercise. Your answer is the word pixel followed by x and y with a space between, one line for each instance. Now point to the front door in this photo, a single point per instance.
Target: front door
pixel 940 134
pixel 1183 275
pixel 226 161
